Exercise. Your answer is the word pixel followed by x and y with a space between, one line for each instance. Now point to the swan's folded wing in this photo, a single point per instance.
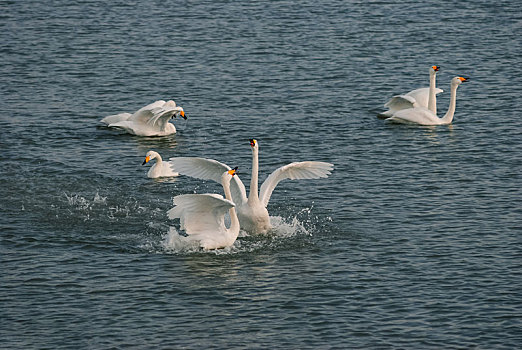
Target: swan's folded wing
pixel 209 169
pixel 293 171
pixel 422 96
pixel 200 213
pixel 399 102
pixel 116 118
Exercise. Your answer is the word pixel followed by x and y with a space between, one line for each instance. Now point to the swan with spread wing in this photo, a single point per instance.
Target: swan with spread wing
pixel 202 216
pixel 423 116
pixel 151 120
pixel 423 97
pixel 252 210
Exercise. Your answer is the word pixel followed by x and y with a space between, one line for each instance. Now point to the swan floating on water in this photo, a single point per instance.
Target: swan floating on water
pixel 202 216
pixel 151 120
pixel 423 116
pixel 423 97
pixel 161 168
pixel 252 211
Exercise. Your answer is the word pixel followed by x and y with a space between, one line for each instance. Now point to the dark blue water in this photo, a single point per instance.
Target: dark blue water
pixel 413 242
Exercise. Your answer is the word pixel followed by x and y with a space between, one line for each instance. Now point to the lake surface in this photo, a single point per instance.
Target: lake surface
pixel 413 242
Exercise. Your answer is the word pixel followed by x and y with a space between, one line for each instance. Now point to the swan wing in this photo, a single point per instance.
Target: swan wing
pixel 200 213
pixel 155 104
pixel 293 171
pixel 209 169
pixel 156 117
pixel 142 116
pixel 422 95
pixel 161 116
pixel 116 118
pixel 418 115
pixel 399 102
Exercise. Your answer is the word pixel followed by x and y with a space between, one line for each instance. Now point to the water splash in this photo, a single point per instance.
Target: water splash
pixel 176 243
pixel 281 227
pixel 283 232
pixel 99 199
pixel 100 207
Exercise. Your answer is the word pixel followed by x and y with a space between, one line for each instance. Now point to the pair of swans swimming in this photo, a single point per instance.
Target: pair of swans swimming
pixel 151 120
pixel 202 215
pixel 420 106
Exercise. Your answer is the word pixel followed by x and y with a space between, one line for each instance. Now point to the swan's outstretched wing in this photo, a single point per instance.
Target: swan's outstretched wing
pixel 418 115
pixel 162 115
pixel 422 96
pixel 200 213
pixel 293 171
pixel 209 169
pixel 157 117
pixel 155 104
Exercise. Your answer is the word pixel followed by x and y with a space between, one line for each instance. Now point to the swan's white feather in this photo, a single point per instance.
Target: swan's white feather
pixel 293 171
pixel 422 96
pixel 398 102
pixel 150 120
pixel 152 105
pixel 201 214
pixel 209 169
pixel 417 115
pixel 160 168
pixel 415 98
pixel 115 118
pixel 163 169
pixel 424 116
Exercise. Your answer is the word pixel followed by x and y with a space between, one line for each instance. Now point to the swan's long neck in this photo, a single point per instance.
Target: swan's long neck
pixel 158 159
pixel 432 97
pixel 254 195
pixel 448 117
pixel 234 221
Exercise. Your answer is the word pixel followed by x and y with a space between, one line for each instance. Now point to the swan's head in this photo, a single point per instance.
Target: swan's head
pixel 434 69
pixel 253 144
pixel 229 174
pixel 180 113
pixel 150 156
pixel 458 80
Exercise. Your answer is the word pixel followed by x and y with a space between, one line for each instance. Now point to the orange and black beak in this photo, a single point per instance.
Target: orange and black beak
pixel 463 79
pixel 252 142
pixel 233 172
pixel 435 68
pixel 147 158
pixel 182 114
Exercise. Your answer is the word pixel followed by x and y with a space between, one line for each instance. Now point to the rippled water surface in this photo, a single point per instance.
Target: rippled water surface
pixel 413 241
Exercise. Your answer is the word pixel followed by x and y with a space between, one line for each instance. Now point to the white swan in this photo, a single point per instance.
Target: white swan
pixel 151 120
pixel 424 116
pixel 252 211
pixel 202 216
pixel 423 97
pixel 161 168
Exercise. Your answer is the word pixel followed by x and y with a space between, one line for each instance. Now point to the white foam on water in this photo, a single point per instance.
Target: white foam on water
pixel 283 230
pixel 176 243
pixel 286 228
